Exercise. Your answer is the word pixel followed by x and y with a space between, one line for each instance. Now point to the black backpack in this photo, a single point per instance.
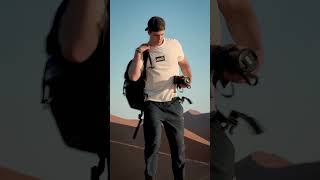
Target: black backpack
pixel 134 90
pixel 78 97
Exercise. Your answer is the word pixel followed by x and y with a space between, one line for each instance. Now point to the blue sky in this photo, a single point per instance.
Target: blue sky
pixel 186 21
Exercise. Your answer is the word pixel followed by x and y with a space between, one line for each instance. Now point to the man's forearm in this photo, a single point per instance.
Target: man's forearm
pixel 80 28
pixel 186 69
pixel 242 24
pixel 135 67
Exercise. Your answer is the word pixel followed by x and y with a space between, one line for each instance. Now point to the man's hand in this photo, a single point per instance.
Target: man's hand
pixel 236 76
pixel 137 63
pixel 143 47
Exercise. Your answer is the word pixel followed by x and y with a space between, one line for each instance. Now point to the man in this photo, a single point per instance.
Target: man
pixel 78 44
pixel 162 104
pixel 243 26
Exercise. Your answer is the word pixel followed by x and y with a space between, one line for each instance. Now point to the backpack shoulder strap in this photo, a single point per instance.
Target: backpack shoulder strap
pixel 146 56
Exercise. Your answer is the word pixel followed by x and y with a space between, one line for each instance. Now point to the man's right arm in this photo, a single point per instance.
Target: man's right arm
pixel 136 66
pixel 80 28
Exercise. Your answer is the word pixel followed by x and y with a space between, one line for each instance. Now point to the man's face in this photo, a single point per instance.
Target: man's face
pixel 156 38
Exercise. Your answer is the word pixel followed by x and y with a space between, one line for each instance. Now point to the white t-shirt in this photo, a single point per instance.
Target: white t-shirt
pixel 159 82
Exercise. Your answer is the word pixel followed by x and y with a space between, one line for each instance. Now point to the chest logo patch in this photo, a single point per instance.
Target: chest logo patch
pixel 160 58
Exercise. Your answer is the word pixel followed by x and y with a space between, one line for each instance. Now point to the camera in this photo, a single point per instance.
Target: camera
pixel 234 60
pixel 182 80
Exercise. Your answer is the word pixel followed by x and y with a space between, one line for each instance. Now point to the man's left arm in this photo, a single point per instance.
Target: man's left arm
pixel 244 29
pixel 185 68
pixel 243 24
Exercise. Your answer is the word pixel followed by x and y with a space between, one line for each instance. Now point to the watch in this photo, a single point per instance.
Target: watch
pixel 138 50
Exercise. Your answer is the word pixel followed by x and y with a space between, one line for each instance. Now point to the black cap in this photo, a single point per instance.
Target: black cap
pixel 156 24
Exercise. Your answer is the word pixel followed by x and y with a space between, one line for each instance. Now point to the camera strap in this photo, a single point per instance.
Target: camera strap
pixel 230 122
pixel 181 99
pixel 251 79
pixel 224 87
pixel 138 126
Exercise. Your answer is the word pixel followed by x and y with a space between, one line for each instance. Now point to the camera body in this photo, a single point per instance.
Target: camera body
pixel 234 60
pixel 182 81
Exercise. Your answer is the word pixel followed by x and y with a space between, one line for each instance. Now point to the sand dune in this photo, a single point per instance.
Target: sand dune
pixel 198 123
pixel 266 166
pixel 9 174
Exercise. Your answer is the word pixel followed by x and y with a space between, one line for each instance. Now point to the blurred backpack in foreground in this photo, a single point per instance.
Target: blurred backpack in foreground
pixel 78 96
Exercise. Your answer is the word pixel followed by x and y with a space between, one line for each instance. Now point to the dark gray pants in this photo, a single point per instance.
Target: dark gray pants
pixel 222 152
pixel 170 114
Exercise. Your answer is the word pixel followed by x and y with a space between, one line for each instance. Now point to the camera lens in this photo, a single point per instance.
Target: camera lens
pixel 247 60
pixel 187 80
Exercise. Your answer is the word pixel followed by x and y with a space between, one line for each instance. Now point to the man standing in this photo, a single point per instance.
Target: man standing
pixel 162 104
pixel 243 26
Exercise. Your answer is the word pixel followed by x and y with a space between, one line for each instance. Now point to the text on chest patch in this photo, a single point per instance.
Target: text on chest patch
pixel 160 58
